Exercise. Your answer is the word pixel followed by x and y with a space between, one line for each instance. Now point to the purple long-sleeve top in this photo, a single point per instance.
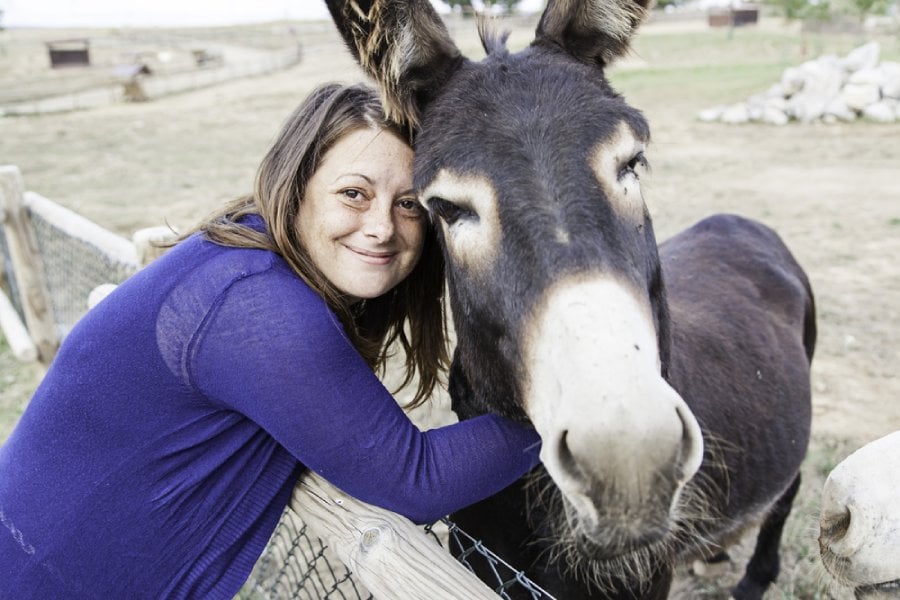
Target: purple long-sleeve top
pixel 163 444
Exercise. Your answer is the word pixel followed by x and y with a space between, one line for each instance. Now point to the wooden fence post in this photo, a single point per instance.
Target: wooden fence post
pixel 16 333
pixel 27 265
pixel 393 558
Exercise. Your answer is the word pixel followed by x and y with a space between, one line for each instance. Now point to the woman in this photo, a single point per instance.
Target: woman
pixel 161 447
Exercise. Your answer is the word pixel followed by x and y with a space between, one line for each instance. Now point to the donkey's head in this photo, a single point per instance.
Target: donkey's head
pixel 530 162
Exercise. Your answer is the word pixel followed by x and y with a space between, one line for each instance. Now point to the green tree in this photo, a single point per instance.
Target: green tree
pixel 801 10
pixel 864 8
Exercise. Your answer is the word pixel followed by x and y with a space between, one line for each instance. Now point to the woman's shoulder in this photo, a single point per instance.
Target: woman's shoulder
pixel 251 290
pixel 213 269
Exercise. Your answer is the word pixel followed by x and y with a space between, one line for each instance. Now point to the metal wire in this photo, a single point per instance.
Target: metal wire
pixel 72 268
pixel 295 564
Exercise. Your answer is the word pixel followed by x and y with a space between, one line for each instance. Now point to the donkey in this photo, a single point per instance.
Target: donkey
pixel 669 385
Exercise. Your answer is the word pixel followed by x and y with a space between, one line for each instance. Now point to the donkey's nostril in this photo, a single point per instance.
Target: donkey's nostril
pixel 834 525
pixel 566 460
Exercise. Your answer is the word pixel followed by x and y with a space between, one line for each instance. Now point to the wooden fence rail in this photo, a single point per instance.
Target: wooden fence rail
pixel 390 555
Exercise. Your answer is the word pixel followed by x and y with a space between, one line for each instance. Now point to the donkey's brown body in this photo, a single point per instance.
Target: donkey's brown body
pixel 670 388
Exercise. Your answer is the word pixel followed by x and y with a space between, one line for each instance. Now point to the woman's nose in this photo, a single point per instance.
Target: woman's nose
pixel 378 221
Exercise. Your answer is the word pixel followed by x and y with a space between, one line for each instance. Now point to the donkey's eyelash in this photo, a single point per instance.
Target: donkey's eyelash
pixel 448 211
pixel 638 160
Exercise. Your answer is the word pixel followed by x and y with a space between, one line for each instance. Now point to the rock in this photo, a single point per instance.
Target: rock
pixel 890 85
pixel 776 91
pixel 756 105
pixel 774 116
pixel 711 114
pixel 869 76
pixel 859 95
pixel 807 107
pixel 822 82
pixel 778 103
pixel 792 80
pixel 863 57
pixel 838 110
pixel 880 112
pixel 736 114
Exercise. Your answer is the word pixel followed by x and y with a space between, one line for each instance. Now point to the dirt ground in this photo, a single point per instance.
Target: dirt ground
pixel 832 192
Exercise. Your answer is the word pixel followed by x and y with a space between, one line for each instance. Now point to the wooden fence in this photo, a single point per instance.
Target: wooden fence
pixel 48 283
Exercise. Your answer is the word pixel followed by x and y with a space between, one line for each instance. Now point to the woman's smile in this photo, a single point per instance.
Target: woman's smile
pixel 372 257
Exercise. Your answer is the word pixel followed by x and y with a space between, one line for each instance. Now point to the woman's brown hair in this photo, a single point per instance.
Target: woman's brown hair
pixel 412 313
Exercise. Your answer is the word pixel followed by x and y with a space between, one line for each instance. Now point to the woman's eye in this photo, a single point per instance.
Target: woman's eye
pixel 630 168
pixel 410 206
pixel 352 194
pixel 449 211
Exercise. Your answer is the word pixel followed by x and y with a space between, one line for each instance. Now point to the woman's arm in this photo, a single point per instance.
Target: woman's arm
pixel 270 349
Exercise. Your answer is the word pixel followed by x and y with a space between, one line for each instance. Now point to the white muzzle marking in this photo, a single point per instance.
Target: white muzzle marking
pixel 596 396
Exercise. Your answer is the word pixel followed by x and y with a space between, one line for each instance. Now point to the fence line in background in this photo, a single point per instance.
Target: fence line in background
pixel 156 86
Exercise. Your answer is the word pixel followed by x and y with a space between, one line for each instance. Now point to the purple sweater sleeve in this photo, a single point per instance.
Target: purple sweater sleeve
pixel 270 349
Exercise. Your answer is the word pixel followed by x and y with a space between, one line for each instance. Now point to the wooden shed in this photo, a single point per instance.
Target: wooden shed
pixel 734 16
pixel 69 53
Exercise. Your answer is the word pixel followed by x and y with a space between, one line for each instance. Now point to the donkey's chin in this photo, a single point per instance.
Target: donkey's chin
pixel 607 553
pixel 842 570
pixel 611 534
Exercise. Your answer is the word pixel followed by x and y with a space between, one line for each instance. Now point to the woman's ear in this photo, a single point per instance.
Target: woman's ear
pixel 404 46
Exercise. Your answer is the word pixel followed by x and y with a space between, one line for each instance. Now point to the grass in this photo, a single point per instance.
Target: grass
pixel 712 67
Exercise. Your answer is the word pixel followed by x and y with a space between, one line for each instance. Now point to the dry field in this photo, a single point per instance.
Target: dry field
pixel 833 192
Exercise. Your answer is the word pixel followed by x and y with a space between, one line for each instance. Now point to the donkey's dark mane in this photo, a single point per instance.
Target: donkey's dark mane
pixel 492 40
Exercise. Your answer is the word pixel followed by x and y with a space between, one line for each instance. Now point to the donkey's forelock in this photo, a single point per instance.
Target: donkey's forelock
pixel 492 40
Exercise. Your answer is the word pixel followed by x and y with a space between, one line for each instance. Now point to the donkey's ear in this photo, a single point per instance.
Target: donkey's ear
pixel 595 32
pixel 403 45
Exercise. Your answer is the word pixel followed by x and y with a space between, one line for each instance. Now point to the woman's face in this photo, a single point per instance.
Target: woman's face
pixel 359 218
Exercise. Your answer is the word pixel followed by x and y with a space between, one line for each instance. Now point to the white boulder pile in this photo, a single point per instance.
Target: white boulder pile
pixel 828 89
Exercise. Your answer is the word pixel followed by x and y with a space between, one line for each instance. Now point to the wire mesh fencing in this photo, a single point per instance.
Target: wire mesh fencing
pixel 297 565
pixel 76 262
pixel 71 256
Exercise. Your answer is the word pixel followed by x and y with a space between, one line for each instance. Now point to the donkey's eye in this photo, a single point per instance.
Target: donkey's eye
pixel 448 211
pixel 630 168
